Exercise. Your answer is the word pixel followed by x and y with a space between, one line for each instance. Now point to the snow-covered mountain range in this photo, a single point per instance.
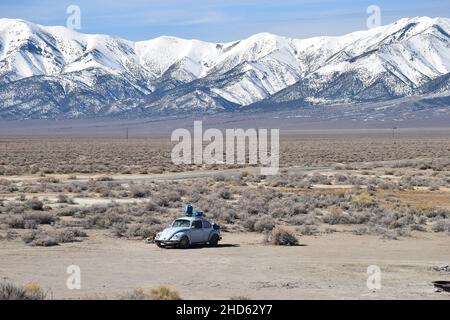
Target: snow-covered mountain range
pixel 53 72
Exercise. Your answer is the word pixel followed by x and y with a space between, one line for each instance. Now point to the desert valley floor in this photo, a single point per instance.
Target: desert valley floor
pixel 352 199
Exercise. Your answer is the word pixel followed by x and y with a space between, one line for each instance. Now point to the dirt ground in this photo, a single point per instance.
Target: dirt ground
pixel 332 266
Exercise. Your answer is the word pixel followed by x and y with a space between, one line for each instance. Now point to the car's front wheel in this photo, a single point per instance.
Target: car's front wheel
pixel 214 240
pixel 184 243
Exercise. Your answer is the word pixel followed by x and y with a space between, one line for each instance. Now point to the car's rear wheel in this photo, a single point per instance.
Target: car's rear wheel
pixel 214 240
pixel 184 243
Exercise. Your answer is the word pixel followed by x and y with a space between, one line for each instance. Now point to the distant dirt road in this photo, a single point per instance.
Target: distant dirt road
pixel 169 176
pixel 331 266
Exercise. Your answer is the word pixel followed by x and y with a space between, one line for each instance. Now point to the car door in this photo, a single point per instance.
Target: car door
pixel 197 231
pixel 206 230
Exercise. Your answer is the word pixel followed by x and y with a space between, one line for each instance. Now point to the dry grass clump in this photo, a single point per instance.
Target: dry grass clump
pixel 139 192
pixel 35 204
pixel 283 237
pixel 308 230
pixel 137 230
pixel 48 238
pixel 63 198
pixel 16 218
pixel 384 233
pixel 31 291
pixel 442 225
pixel 265 223
pixel 162 292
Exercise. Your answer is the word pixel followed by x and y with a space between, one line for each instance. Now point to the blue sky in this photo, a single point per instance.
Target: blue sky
pixel 219 21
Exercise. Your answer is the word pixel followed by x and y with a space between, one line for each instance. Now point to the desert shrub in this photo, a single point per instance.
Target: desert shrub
pixel 361 231
pixel 165 293
pixel 159 293
pixel 69 235
pixel 31 291
pixel 442 225
pixel 302 220
pixel 15 221
pixel 384 233
pixel 48 179
pixel 418 227
pixel 142 231
pixel 48 238
pixel 320 179
pixel 265 223
pixel 136 294
pixel 151 206
pixel 227 215
pixel 249 223
pixel 308 230
pixel 34 291
pixel 105 220
pixel 119 229
pixel 35 204
pixel 149 220
pixel 225 193
pixel 39 238
pixel 11 235
pixel 13 208
pixel 161 201
pixel 139 192
pixel 62 198
pixel 283 237
pixel 219 177
pixel 69 212
pixel 278 209
pixel 40 217
pixel 438 213
pixel 337 216
pixel 104 178
pixel 340 178
pixel 8 291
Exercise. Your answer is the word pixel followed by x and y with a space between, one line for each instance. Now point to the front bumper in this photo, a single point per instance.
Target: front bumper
pixel 167 242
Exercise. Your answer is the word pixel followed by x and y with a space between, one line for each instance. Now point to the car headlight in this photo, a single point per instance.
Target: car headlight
pixel 158 235
pixel 176 236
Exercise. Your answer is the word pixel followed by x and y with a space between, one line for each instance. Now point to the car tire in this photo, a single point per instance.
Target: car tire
pixel 184 243
pixel 214 240
pixel 159 244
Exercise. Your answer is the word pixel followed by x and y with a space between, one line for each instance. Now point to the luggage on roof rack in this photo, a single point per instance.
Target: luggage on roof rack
pixel 198 214
pixel 188 210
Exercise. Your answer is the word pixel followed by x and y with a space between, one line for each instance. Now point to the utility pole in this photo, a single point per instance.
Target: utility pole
pixel 127 134
pixel 394 131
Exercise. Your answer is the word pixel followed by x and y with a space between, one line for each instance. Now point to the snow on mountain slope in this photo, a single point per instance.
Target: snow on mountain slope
pixel 169 73
pixel 159 54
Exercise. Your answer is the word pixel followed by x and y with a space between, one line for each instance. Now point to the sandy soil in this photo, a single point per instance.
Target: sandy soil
pixel 331 266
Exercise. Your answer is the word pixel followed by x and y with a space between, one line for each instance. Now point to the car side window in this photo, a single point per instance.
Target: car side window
pixel 206 224
pixel 197 224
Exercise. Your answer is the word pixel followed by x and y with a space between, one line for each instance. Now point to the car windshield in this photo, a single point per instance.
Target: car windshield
pixel 181 223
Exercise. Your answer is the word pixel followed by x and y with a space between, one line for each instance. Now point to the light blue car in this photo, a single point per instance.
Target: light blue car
pixel 187 231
